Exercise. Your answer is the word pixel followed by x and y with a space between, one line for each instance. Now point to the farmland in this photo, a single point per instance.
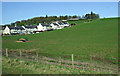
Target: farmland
pixel 97 38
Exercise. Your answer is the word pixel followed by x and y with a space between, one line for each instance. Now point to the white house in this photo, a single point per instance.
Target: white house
pixel 29 29
pixel 44 27
pixel 49 28
pixel 12 30
pixel 66 24
pixel 5 30
pixel 54 26
pixel 59 24
pixel 40 27
pixel 16 30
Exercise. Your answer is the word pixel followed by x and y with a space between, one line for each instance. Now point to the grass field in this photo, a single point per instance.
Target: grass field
pixel 13 66
pixel 35 68
pixel 96 38
pixel 99 37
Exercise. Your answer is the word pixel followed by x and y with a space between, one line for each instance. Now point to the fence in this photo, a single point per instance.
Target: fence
pixel 91 63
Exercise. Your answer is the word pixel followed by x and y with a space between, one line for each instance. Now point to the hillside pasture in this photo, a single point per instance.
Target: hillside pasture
pixel 97 38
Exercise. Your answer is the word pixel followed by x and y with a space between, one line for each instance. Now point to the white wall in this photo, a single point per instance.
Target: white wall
pixel 40 27
pixel 53 26
pixel 6 30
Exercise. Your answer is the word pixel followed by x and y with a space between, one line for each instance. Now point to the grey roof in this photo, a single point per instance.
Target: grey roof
pixel 3 27
pixel 34 26
pixel 64 22
pixel 17 27
pixel 45 25
pixel 59 23
pixel 55 24
pixel 11 27
pixel 30 26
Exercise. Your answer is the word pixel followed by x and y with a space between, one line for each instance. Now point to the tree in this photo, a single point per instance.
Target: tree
pixel 7 25
pixel 12 24
pixel 48 19
pixel 92 13
pixel 74 16
pixel 66 17
pixel 92 16
pixel 70 17
pixel 21 24
pixel 17 23
pixel 46 16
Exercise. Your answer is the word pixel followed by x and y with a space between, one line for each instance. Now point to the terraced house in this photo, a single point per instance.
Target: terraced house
pixel 30 29
pixel 10 30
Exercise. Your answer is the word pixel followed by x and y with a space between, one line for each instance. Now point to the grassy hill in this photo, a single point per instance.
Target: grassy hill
pixel 97 38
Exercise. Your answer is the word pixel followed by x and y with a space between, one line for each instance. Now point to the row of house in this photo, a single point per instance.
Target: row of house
pixel 29 29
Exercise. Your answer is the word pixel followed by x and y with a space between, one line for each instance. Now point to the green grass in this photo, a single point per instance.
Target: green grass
pixel 19 66
pixel 98 38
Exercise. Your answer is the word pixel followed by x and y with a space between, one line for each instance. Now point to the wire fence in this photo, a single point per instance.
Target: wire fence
pixel 91 63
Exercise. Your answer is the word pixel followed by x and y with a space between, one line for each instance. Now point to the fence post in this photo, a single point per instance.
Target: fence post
pixel 72 61
pixel 20 53
pixel 6 52
pixel 60 60
pixel 32 58
pixel 90 63
pixel 37 56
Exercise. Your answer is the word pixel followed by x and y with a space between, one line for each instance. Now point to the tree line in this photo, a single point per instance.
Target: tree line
pixel 47 19
pixel 92 16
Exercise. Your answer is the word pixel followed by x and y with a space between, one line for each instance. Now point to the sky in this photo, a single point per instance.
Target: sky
pixel 16 11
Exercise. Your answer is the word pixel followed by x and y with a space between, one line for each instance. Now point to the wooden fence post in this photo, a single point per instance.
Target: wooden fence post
pixel 6 52
pixel 37 56
pixel 72 61
pixel 32 58
pixel 90 63
pixel 20 53
pixel 20 74
pixel 60 60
